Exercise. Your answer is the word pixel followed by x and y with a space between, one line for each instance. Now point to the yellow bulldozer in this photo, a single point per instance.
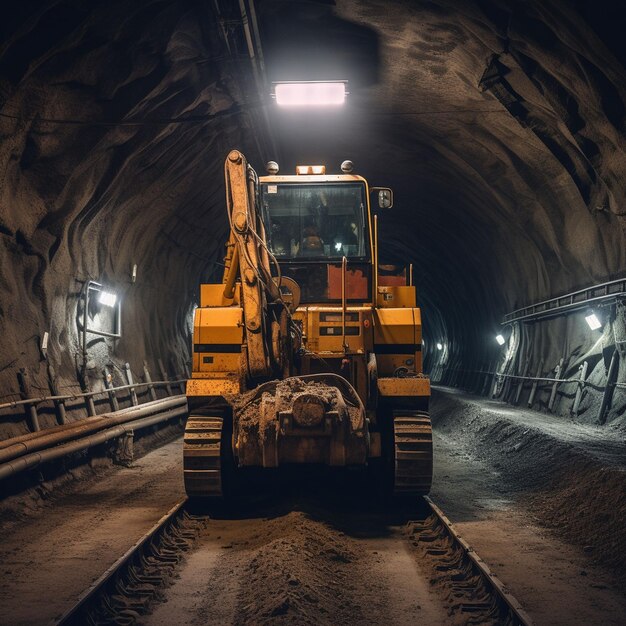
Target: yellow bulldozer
pixel 308 351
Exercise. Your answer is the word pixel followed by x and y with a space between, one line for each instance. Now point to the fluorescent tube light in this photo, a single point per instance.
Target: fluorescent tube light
pixel 310 94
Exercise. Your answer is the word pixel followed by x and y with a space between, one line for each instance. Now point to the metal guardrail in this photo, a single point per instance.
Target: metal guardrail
pixel 500 379
pixel 568 303
pixel 525 378
pixel 89 394
pixel 27 452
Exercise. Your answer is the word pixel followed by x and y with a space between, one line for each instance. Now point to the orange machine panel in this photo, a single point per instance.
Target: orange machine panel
pixel 356 283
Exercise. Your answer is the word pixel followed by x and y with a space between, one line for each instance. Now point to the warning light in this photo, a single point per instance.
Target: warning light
pixel 303 170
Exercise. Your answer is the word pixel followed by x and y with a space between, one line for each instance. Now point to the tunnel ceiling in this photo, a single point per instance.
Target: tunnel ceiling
pixel 500 126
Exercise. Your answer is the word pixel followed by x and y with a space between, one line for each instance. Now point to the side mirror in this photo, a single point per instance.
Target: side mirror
pixel 385 197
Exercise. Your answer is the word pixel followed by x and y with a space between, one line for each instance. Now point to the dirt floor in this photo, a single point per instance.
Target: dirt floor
pixel 49 557
pixel 541 500
pixel 303 557
pixel 513 482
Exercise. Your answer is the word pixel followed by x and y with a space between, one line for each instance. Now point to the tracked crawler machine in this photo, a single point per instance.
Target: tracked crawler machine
pixel 307 352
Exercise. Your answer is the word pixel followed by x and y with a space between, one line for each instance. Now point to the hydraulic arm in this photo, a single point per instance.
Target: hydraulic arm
pixel 248 259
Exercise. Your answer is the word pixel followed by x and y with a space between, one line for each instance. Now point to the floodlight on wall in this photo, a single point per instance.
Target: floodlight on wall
pixel 439 346
pixel 500 339
pixel 593 321
pixel 310 93
pixel 107 298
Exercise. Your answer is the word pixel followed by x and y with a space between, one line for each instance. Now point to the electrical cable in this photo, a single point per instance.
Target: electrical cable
pixel 234 110
pixel 191 119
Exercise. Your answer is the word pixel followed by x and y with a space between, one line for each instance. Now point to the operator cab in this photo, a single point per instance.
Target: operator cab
pixel 312 222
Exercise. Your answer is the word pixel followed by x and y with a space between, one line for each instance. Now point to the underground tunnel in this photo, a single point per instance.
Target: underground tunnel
pixel 305 304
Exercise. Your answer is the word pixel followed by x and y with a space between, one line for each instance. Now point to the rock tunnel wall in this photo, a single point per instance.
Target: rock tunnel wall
pixel 510 205
pixel 500 126
pixel 85 197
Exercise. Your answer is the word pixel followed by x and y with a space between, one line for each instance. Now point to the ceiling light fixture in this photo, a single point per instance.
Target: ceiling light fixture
pixel 310 94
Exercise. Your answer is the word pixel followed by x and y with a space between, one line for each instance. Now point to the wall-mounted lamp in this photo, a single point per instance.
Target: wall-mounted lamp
pixel 107 298
pixel 44 345
pixel 310 93
pixel 500 339
pixel 593 321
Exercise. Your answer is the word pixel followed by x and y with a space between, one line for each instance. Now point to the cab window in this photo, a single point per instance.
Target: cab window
pixel 315 221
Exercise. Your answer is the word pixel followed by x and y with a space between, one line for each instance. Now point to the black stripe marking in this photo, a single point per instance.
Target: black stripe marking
pixel 397 348
pixel 231 348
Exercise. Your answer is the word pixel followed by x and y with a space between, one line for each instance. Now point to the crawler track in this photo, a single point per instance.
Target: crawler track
pixel 129 588
pixel 203 455
pixel 413 453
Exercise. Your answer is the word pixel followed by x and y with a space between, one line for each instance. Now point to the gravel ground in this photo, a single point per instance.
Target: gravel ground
pixel 541 500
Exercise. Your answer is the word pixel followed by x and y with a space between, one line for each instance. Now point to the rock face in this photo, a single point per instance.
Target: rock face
pixel 114 124
pixel 499 125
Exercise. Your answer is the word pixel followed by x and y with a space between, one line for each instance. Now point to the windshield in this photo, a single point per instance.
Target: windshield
pixel 315 221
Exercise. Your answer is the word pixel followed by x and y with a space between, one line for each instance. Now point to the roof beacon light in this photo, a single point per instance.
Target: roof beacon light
pixel 303 170
pixel 593 321
pixel 107 298
pixel 310 94
pixel 500 339
pixel 271 167
pixel 347 167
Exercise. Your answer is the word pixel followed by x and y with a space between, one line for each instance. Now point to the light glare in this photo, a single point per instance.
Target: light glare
pixel 303 170
pixel 593 321
pixel 500 339
pixel 107 298
pixel 310 94
pixel 439 346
